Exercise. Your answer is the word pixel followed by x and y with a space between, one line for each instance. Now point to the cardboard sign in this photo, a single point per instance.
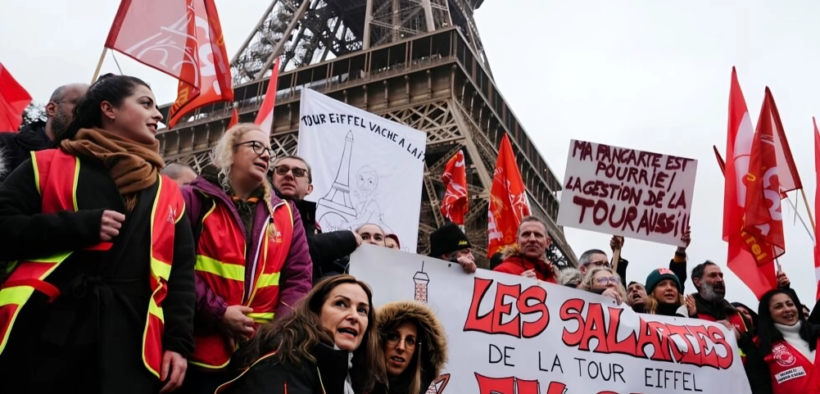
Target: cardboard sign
pixel 627 192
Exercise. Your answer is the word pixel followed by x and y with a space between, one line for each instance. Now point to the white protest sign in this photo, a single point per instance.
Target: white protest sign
pixel 627 192
pixel 513 335
pixel 366 169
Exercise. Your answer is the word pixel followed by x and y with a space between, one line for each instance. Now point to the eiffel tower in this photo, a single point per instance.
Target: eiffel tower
pixel 417 62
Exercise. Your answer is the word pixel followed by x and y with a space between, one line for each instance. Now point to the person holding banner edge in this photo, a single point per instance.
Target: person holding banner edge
pixel 449 243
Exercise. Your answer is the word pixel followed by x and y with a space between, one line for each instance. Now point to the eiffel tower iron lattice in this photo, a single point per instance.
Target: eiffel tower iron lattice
pixel 417 62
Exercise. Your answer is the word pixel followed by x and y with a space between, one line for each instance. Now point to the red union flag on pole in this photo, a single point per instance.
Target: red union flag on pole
pixel 264 119
pixel 13 101
pixel 214 69
pixel 508 200
pixel 160 34
pixel 455 204
pixel 749 258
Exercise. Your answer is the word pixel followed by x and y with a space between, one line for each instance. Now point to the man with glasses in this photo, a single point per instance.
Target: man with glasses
pixel 292 180
pixel 38 135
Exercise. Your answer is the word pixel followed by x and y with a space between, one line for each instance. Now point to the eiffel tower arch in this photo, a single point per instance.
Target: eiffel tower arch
pixel 417 62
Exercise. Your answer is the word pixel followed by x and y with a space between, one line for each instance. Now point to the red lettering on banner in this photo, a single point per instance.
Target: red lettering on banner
pixel 513 385
pixel 667 342
pixel 490 323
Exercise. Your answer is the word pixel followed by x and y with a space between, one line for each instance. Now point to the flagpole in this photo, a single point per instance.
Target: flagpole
pixel 797 215
pixel 99 65
pixel 806 201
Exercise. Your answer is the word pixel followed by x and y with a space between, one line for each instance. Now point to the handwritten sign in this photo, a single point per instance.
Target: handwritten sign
pixel 514 335
pixel 366 169
pixel 627 192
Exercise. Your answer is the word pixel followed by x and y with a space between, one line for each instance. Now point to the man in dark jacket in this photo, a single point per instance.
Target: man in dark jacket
pixel 38 135
pixel 293 181
pixel 449 243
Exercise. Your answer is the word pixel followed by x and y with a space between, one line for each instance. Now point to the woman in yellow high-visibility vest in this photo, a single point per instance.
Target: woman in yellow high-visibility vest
pixel 100 292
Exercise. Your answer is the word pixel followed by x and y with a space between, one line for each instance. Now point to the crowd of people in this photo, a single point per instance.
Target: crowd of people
pixel 123 274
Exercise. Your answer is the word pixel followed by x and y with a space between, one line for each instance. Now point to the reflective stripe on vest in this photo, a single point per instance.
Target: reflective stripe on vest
pixel 221 257
pixel 56 176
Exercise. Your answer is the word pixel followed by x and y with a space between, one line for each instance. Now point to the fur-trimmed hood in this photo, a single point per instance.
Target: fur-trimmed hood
pixel 434 339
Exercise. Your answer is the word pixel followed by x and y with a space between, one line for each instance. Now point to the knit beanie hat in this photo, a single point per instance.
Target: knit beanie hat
pixel 657 276
pixel 448 239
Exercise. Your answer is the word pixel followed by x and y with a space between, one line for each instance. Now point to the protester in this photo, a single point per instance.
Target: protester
pixel 181 174
pixel 749 314
pixel 39 135
pixel 636 297
pixel 292 179
pixel 309 351
pixel 665 295
pixel 114 312
pixel 449 243
pixel 371 233
pixel 604 281
pixel 252 257
pixel 783 360
pixel 415 347
pixel 570 277
pixel 527 257
pixel 392 241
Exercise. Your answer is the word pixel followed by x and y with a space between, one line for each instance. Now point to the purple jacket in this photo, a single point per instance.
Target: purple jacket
pixel 296 275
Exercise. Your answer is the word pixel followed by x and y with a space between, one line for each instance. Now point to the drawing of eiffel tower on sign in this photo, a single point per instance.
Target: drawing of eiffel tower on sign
pixel 337 200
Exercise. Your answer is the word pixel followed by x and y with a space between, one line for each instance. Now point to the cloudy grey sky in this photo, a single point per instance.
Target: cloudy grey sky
pixel 649 75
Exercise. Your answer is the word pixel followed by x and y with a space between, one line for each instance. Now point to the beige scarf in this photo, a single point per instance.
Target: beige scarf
pixel 133 165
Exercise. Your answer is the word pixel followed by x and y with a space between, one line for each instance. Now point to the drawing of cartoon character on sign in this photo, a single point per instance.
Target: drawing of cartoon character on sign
pixel 367 208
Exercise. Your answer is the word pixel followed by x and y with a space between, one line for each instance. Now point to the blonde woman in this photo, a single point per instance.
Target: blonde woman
pixel 604 281
pixel 665 295
pixel 252 260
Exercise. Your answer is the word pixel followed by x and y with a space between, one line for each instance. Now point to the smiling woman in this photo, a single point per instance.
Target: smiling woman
pixel 310 350
pixel 252 255
pixel 103 262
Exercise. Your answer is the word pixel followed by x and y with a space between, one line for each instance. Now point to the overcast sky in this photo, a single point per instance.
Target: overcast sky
pixel 649 75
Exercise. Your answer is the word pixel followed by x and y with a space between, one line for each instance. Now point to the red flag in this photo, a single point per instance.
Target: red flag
pixel 234 118
pixel 13 101
pixel 720 161
pixel 264 119
pixel 454 205
pixel 756 269
pixel 160 34
pixel 786 169
pixel 816 206
pixel 508 199
pixel 214 69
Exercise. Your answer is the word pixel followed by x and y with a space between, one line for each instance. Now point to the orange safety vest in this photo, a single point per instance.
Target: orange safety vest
pixel 220 262
pixel 791 371
pixel 56 175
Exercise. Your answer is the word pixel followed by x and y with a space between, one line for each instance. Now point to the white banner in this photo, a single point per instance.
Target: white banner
pixel 627 192
pixel 366 169
pixel 512 335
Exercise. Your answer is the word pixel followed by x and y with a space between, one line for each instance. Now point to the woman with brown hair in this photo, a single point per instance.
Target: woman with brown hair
pixel 329 345
pixel 414 344
pixel 101 295
pixel 252 260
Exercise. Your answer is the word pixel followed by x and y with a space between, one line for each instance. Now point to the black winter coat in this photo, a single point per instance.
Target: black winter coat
pixel 95 327
pixel 16 147
pixel 267 376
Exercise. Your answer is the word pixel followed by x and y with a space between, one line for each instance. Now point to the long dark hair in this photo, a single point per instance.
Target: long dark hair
pixel 294 337
pixel 768 333
pixel 87 114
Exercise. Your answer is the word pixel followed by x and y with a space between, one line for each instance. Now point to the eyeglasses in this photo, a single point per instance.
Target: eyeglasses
pixel 297 172
pixel 607 280
pixel 394 339
pixel 258 148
